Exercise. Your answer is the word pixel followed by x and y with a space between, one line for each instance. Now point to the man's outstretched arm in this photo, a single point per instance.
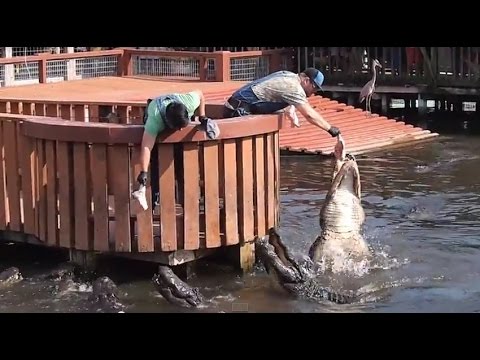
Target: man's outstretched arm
pixel 316 119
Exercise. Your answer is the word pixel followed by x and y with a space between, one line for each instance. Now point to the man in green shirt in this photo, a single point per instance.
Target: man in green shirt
pixel 171 111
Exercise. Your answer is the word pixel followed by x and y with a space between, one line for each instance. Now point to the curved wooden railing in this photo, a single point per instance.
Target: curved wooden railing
pixel 69 184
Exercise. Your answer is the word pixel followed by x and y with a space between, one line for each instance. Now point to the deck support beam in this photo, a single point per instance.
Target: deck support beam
pixel 87 260
pixel 242 256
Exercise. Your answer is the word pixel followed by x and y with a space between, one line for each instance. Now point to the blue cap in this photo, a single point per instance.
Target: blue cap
pixel 316 76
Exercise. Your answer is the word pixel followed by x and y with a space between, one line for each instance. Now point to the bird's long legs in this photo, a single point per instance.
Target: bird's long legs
pixel 367 106
pixel 370 105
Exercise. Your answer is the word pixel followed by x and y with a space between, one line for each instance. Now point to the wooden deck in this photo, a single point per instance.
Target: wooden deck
pixel 363 133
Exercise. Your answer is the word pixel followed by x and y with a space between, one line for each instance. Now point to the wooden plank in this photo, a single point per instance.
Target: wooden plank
pixel 93 113
pixel 269 180
pixel 52 110
pixel 276 144
pixel 202 217
pixel 98 169
pixel 19 150
pixel 121 192
pixel 15 107
pixel 245 185
pixel 4 212
pixel 259 198
pixel 191 193
pixel 11 170
pixel 39 109
pixel 42 191
pixel 168 228
pixel 122 112
pixel 230 192
pixel 66 111
pixel 52 213
pixel 136 115
pixel 28 182
pixel 79 112
pixel 4 107
pixel 212 202
pixel 66 194
pixel 28 108
pixel 144 217
pixel 36 179
pixel 82 204
pixel 111 169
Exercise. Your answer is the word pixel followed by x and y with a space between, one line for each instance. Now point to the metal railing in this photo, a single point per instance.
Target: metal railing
pixel 434 66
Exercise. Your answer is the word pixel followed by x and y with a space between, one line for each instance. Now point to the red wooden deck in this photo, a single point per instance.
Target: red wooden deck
pixel 362 132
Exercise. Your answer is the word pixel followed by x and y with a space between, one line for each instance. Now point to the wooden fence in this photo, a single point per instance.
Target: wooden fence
pixel 68 182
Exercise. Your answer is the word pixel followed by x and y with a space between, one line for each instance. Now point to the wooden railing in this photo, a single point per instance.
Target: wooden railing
pixel 68 183
pixel 433 66
pixel 447 66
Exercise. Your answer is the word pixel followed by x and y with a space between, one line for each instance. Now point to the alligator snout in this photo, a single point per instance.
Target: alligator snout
pixel 11 275
pixel 174 290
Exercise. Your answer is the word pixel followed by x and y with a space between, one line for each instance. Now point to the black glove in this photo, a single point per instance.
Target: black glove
pixel 334 131
pixel 203 119
pixel 142 178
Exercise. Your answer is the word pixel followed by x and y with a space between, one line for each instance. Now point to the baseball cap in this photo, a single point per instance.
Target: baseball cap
pixel 316 76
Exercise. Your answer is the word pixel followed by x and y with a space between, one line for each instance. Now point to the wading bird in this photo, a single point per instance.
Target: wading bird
pixel 369 88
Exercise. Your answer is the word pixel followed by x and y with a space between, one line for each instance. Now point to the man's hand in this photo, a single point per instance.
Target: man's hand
pixel 334 131
pixel 210 127
pixel 142 178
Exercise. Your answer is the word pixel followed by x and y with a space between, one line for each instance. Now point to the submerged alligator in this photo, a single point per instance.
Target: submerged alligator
pixel 10 276
pixel 106 294
pixel 340 241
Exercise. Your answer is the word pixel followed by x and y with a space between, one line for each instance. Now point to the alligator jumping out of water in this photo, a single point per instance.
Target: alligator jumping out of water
pixel 341 216
pixel 340 241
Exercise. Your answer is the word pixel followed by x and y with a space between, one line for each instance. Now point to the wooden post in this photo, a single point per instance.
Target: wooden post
pixel 85 259
pixel 71 65
pixel 9 69
pixel 385 101
pixel 243 256
pixel 351 99
pixel 422 105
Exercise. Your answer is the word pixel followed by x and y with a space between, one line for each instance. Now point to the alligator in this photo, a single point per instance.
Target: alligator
pixel 297 278
pixel 341 219
pixel 106 294
pixel 341 216
pixel 174 290
pixel 10 276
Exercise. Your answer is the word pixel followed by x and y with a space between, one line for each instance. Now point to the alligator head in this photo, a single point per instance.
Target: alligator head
pixel 174 290
pixel 335 214
pixel 342 215
pixel 9 276
pixel 296 278
pixel 105 292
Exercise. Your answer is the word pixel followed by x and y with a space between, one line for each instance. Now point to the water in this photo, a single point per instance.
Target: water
pixel 421 204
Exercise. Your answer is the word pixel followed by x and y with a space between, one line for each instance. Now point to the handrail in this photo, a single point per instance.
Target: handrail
pixel 64 130
pixel 67 56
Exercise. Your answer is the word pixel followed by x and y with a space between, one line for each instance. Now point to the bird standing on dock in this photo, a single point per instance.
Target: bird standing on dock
pixel 369 88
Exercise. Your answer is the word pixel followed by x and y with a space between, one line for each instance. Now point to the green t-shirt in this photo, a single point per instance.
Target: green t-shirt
pixel 155 124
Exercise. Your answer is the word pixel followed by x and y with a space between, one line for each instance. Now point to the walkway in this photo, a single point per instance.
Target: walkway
pixel 362 133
